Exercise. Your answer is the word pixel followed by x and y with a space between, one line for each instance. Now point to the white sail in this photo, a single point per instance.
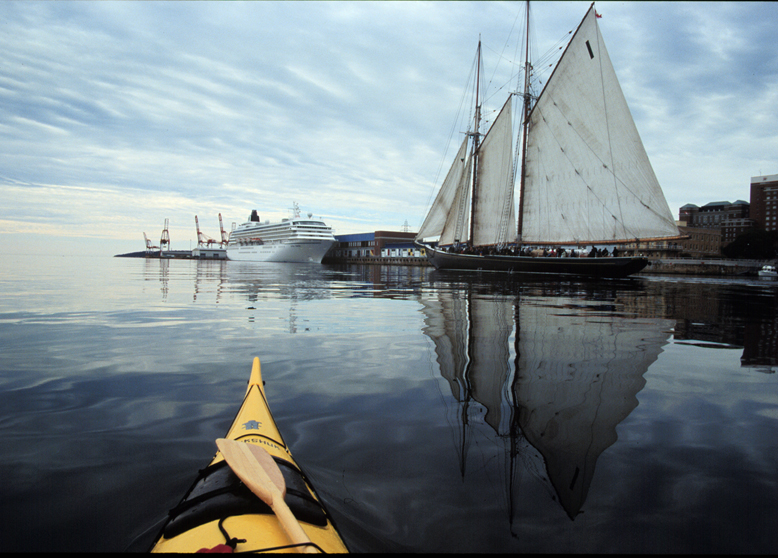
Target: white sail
pixel 441 210
pixel 493 208
pixel 587 175
pixel 456 227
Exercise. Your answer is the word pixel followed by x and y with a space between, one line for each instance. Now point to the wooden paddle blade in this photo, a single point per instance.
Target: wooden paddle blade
pixel 269 465
pixel 248 462
pixel 243 463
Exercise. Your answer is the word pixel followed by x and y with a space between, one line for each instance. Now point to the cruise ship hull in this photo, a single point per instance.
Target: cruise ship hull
pixel 293 251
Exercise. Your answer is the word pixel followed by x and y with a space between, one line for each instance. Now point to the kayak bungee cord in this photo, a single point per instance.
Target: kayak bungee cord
pixel 231 543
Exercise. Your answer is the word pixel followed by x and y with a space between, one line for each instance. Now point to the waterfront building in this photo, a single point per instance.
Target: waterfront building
pixel 732 228
pixel 702 242
pixel 764 201
pixel 713 214
pixel 401 250
pixel 209 253
pixel 378 244
pixel 360 245
pixel 728 220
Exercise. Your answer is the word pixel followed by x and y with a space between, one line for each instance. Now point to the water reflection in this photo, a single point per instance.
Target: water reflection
pixel 733 314
pixel 430 409
pixel 157 269
pixel 569 376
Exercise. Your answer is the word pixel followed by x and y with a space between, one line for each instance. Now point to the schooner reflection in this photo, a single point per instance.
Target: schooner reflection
pixel 472 341
pixel 570 377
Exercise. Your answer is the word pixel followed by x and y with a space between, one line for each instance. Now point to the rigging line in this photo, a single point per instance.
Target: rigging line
pixel 454 126
pixel 540 64
pixel 501 56
pixel 512 61
pixel 553 51
pixel 494 73
pixel 503 86
pixel 545 63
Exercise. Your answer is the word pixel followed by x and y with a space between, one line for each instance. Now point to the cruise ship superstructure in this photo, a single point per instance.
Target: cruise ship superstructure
pixel 297 239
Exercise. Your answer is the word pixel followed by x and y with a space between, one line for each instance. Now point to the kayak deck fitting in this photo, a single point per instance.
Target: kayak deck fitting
pixel 220 513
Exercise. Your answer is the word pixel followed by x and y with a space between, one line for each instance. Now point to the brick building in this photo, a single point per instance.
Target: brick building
pixel 727 219
pixel 712 215
pixel 764 201
pixel 702 242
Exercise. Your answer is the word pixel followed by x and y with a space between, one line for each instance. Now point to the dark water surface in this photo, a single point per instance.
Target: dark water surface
pixel 434 412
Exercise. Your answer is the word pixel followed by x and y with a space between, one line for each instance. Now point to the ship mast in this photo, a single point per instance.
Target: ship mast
pixel 525 126
pixel 475 143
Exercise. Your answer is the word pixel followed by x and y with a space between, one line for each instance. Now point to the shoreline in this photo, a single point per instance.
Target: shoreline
pixel 719 268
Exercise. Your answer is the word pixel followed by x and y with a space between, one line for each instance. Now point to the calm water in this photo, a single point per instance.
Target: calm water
pixel 434 411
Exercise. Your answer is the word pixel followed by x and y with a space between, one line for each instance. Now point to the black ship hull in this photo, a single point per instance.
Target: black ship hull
pixel 605 267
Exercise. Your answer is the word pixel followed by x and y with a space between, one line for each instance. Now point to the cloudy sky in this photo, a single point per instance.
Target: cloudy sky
pixel 117 115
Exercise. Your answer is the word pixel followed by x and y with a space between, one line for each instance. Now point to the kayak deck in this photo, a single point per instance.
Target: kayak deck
pixel 220 510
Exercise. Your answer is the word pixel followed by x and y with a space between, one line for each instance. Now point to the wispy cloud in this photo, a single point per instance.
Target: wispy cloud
pixel 117 115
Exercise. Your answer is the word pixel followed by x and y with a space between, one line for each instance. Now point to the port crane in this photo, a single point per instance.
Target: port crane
pixel 149 248
pixel 203 239
pixel 164 242
pixel 225 236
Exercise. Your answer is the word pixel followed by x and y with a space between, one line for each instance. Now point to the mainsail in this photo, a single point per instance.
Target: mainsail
pixel 587 175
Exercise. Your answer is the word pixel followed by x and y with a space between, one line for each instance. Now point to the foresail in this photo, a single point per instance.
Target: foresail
pixel 456 227
pixel 587 174
pixel 444 202
pixel 493 209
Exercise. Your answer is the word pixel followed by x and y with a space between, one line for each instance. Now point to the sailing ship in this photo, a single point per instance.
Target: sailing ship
pixel 585 177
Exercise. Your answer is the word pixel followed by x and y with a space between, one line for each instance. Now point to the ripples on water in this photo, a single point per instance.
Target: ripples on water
pixel 434 411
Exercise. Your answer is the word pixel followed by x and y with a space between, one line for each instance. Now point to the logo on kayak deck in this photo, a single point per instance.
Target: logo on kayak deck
pixel 252 425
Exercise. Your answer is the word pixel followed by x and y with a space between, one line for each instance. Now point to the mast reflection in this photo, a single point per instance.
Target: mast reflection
pixel 571 375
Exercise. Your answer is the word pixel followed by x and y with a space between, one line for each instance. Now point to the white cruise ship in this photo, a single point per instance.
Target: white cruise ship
pixel 292 240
